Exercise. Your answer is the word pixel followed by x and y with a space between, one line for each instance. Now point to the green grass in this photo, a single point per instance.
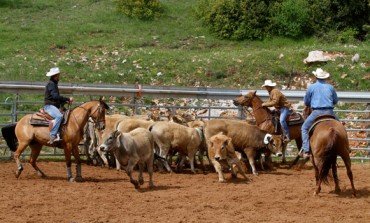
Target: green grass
pixel 91 43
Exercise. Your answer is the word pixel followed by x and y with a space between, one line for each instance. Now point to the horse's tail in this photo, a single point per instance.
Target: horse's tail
pixel 11 140
pixel 330 156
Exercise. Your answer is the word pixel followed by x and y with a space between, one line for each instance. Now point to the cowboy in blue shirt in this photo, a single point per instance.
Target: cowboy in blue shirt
pixel 322 98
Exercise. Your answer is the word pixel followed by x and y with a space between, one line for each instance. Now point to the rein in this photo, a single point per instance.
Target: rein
pixel 97 109
pixel 255 110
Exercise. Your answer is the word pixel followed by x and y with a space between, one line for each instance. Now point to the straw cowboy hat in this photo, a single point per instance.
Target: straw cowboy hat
pixel 319 73
pixel 53 71
pixel 269 83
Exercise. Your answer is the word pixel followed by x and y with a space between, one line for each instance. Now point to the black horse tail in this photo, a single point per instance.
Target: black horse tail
pixel 11 140
pixel 330 156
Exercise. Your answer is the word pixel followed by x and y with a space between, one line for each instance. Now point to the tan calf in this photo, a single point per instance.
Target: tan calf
pixel 222 154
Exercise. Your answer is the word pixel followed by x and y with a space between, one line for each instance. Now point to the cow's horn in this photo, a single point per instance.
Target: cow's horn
pixel 266 140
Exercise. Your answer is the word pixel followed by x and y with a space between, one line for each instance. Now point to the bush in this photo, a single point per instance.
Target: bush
pixel 290 18
pixel 140 9
pixel 234 19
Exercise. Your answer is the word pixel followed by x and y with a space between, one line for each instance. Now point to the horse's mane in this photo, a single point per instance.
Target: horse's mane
pixel 103 102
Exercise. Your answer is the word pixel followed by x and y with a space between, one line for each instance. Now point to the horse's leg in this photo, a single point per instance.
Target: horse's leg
pixel 335 177
pixel 35 152
pixel 318 166
pixel 285 145
pixel 16 155
pixel 347 161
pixel 67 155
pixel 76 155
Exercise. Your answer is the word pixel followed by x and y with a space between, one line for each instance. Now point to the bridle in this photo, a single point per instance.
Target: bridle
pixel 98 109
pixel 255 110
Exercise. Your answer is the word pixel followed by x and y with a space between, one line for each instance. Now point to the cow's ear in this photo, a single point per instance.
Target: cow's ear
pixel 211 144
pixel 267 139
pixel 116 134
pixel 227 141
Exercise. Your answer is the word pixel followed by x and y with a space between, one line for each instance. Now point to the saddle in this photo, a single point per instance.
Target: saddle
pixel 42 118
pixel 294 118
pixel 318 119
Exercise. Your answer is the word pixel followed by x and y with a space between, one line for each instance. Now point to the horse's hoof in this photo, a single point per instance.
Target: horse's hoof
pixel 71 179
pixel 40 174
pixel 17 173
pixel 79 179
pixel 141 181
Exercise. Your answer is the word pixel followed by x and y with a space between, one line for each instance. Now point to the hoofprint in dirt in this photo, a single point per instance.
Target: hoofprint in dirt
pixel 106 195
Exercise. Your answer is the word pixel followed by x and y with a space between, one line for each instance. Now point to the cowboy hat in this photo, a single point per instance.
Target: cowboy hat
pixel 269 83
pixel 53 71
pixel 319 73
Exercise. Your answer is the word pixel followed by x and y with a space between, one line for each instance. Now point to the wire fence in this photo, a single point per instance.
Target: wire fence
pixel 357 122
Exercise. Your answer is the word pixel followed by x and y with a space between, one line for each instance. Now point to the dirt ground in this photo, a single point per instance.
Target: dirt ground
pixel 106 195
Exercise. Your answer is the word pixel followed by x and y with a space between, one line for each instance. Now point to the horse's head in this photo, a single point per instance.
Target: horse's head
pixel 245 100
pixel 98 114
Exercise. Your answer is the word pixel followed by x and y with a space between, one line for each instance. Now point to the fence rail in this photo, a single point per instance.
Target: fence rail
pixel 11 106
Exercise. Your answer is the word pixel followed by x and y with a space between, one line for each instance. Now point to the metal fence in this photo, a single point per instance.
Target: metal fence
pixel 214 101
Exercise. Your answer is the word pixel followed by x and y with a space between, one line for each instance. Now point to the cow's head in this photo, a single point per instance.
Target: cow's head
pixel 274 143
pixel 221 145
pixel 113 142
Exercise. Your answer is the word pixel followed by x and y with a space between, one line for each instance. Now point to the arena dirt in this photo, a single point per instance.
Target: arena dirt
pixel 106 195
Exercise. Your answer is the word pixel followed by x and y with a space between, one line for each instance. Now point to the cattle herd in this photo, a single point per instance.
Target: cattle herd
pixel 151 142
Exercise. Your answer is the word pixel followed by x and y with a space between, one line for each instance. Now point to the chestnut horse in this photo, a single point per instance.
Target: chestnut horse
pixel 328 140
pixel 264 117
pixel 71 133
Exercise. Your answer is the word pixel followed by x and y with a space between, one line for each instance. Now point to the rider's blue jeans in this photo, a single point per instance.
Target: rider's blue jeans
pixel 308 123
pixel 58 117
pixel 284 112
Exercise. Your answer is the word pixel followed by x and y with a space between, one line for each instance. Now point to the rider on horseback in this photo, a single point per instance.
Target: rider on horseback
pixel 279 101
pixel 53 102
pixel 322 98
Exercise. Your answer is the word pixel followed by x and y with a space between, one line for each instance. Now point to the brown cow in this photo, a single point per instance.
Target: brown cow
pixel 170 136
pixel 245 137
pixel 222 154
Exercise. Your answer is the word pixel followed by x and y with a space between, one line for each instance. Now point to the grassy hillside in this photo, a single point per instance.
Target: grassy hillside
pixel 91 43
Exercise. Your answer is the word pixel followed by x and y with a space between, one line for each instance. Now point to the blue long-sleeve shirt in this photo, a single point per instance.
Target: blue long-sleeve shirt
pixel 321 95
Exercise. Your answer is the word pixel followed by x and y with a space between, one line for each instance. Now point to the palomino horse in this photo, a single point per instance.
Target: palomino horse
pixel 264 117
pixel 328 140
pixel 72 132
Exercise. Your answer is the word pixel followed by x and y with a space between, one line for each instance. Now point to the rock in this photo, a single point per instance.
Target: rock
pixel 355 58
pixel 316 56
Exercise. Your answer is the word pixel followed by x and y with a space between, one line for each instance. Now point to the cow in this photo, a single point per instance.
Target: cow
pixel 173 137
pixel 222 154
pixel 98 136
pixel 135 147
pixel 246 138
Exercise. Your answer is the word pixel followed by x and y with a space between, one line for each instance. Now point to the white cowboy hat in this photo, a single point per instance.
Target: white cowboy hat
pixel 319 73
pixel 269 83
pixel 53 71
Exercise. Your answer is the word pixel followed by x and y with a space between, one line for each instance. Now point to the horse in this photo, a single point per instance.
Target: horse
pixel 328 140
pixel 71 133
pixel 264 119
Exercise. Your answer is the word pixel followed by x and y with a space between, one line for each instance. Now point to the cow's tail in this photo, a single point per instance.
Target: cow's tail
pixel 330 156
pixel 11 140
